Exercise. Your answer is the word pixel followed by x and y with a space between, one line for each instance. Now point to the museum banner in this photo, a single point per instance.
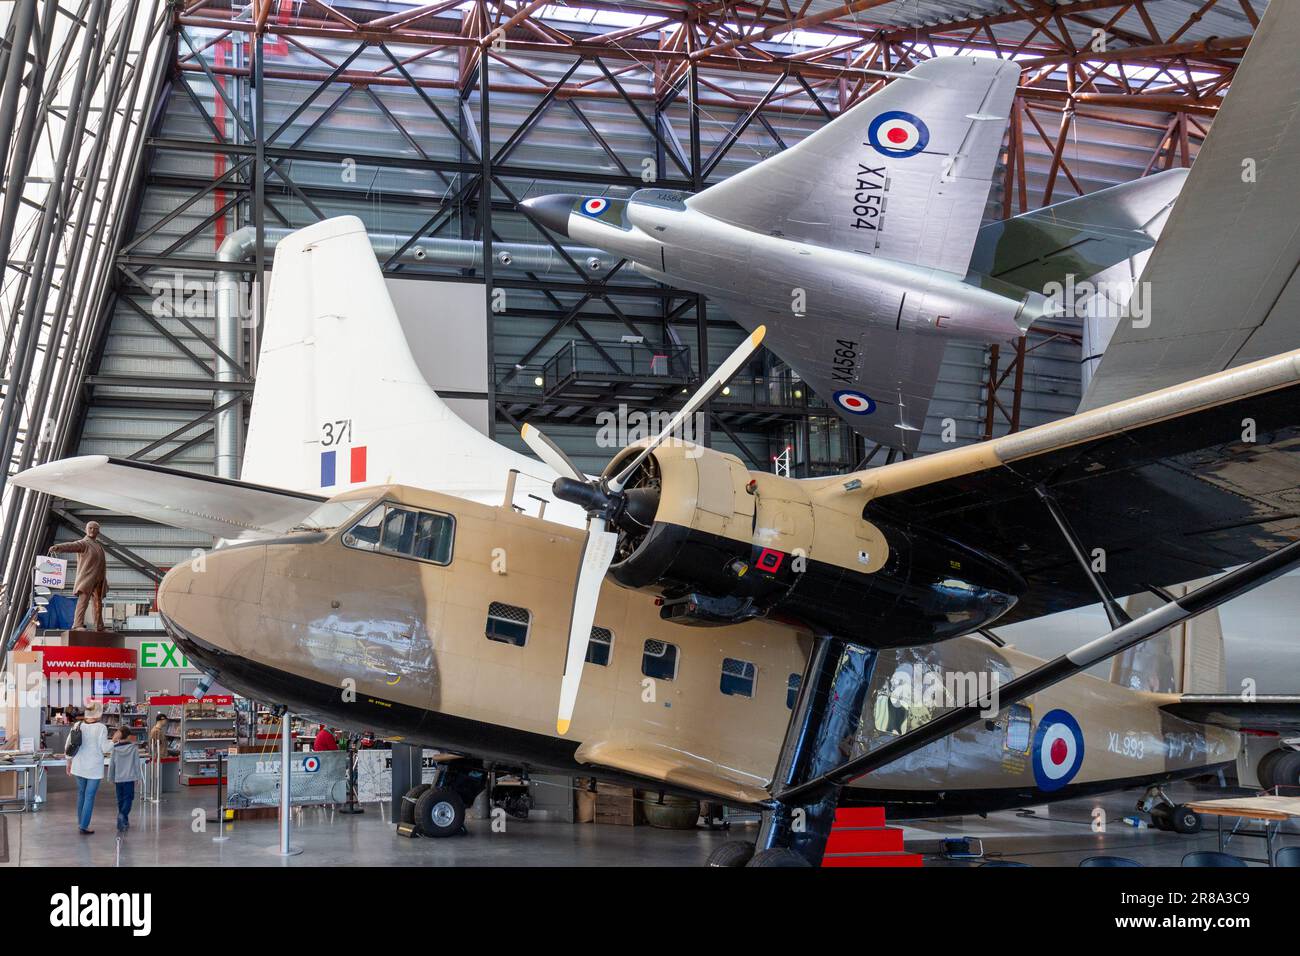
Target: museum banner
pixel 317 777
pixel 104 662
pixel 375 774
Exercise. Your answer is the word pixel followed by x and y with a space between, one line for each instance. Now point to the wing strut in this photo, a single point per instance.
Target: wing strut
pixel 1114 613
pixel 1233 584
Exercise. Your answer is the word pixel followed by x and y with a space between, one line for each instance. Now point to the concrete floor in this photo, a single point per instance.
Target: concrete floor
pixel 163 835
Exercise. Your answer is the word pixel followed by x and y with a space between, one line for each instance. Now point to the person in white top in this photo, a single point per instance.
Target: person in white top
pixel 87 764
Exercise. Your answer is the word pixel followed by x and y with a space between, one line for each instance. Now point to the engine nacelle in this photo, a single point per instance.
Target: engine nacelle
pixel 727 544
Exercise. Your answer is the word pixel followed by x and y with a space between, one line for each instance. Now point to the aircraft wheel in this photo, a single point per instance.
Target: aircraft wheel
pixel 777 856
pixel 440 812
pixel 1264 769
pixel 1183 820
pixel 731 853
pixel 407 813
pixel 1162 817
pixel 1286 769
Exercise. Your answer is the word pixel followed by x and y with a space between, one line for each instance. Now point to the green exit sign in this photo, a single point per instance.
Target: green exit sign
pixel 161 654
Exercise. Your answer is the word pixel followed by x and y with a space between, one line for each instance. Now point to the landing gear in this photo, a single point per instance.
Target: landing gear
pixel 409 800
pixel 440 812
pixel 1264 769
pixel 779 856
pixel 1167 815
pixel 734 853
pixel 438 809
pixel 818 739
pixel 1280 768
pixel 1176 818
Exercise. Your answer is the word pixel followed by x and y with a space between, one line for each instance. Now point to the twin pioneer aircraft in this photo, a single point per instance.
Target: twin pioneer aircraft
pixel 684 624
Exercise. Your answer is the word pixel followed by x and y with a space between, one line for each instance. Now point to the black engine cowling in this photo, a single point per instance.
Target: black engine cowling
pixel 926 589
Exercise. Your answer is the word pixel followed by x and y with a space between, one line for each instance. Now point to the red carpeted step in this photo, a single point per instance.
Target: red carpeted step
pixel 875 840
pixel 872 859
pixel 859 817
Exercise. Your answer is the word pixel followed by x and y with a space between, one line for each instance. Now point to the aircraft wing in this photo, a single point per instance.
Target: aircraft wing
pixel 220 507
pixel 1223 284
pixel 1169 487
pixel 934 133
pixel 898 370
pixel 670 765
pixel 1269 712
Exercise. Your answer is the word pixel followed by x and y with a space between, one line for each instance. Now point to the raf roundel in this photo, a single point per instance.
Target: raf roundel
pixel 898 134
pixel 1057 750
pixel 311 764
pixel 855 403
pixel 595 208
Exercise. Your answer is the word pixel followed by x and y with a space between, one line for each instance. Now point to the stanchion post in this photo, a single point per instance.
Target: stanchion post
pixel 221 799
pixel 352 806
pixel 286 758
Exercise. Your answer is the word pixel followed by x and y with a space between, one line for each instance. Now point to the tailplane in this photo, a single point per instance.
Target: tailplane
pixel 1079 237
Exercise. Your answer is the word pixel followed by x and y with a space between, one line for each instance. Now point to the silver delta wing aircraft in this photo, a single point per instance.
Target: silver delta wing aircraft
pixel 854 247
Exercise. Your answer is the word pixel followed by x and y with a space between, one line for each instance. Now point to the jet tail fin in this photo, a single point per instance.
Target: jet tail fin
pixel 905 174
pixel 1186 659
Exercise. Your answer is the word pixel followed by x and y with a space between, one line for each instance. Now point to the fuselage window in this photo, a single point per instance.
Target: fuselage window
pixel 737 678
pixel 792 690
pixel 364 535
pixel 903 704
pixel 406 532
pixel 1019 720
pixel 600 646
pixel 659 660
pixel 508 624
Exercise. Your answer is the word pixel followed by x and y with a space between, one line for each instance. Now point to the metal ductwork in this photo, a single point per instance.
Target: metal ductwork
pixel 241 245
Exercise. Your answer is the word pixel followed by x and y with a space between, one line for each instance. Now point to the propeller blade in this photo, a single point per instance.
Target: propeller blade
pixel 714 382
pixel 551 453
pixel 597 555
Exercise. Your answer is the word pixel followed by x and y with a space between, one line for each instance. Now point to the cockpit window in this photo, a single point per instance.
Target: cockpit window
pixel 331 515
pixel 408 532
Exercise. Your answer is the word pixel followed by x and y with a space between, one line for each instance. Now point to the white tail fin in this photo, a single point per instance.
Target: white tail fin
pixel 340 402
pixel 905 174
pixel 1186 659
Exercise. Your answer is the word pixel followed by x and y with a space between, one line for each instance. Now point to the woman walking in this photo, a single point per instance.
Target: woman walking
pixel 87 746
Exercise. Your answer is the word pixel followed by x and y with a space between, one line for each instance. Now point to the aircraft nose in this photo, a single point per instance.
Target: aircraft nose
pixel 552 211
pixel 215 598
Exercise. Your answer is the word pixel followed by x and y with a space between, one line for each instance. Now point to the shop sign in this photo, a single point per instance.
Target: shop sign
pixel 51 572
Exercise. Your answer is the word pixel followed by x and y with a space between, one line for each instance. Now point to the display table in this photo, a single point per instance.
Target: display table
pixel 1270 809
pixel 31 771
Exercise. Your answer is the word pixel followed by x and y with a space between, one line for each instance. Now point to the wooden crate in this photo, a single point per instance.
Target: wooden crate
pixel 615 805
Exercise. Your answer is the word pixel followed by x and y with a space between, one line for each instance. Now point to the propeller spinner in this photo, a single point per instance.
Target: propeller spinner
pixel 608 505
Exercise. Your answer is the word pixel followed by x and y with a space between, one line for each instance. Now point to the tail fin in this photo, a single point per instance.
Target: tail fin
pixel 340 401
pixel 905 174
pixel 1186 659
